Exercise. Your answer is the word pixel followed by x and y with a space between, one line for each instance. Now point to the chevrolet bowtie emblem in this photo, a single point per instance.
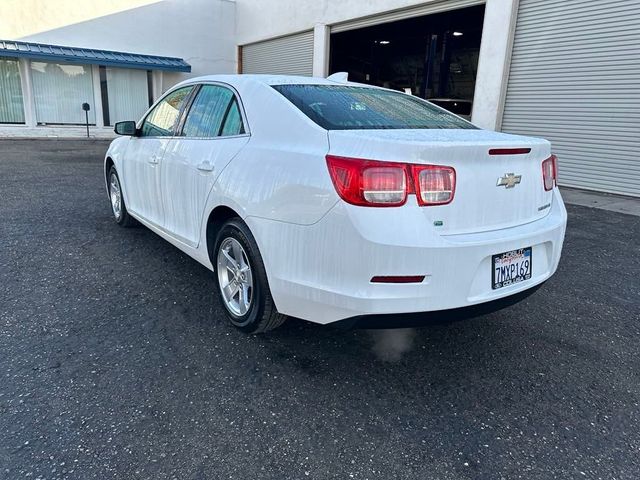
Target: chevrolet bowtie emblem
pixel 509 180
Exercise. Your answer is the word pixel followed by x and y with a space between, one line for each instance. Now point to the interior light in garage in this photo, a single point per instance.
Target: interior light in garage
pixel 384 42
pixel 457 34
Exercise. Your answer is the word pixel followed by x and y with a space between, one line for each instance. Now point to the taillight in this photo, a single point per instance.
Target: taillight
pixel 550 172
pixel 434 185
pixel 387 184
pixel 368 182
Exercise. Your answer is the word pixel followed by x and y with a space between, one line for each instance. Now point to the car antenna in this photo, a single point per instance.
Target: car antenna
pixel 340 77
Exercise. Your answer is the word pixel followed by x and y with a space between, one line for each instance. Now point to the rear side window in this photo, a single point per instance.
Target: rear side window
pixel 233 123
pixel 162 119
pixel 344 107
pixel 214 113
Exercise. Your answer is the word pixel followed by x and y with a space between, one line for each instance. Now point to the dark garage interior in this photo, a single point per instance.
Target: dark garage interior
pixel 432 56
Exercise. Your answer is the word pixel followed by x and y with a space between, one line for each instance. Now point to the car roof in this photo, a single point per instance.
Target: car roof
pixel 244 79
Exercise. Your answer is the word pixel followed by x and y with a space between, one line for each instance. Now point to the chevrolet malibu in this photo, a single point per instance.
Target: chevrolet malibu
pixel 328 200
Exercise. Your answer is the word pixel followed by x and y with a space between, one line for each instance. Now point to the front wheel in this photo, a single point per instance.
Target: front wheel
pixel 242 280
pixel 118 208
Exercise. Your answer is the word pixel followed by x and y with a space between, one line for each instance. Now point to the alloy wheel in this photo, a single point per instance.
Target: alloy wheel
pixel 115 194
pixel 235 277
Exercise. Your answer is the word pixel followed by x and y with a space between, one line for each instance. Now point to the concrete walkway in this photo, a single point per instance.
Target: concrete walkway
pixel 54 132
pixel 604 201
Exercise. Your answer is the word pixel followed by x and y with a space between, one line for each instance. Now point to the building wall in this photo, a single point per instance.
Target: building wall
pixel 262 19
pixel 200 31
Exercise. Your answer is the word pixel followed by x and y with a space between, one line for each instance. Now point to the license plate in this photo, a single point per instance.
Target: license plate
pixel 511 267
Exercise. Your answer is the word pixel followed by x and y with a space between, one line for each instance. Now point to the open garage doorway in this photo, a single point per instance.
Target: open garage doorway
pixel 431 56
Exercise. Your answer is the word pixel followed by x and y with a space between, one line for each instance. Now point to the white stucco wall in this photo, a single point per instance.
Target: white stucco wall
pixel 260 19
pixel 494 61
pixel 200 31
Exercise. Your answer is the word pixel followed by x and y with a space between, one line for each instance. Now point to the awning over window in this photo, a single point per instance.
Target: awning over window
pixel 88 56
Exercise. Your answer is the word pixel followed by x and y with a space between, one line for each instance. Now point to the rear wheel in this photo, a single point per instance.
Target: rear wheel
pixel 118 208
pixel 242 280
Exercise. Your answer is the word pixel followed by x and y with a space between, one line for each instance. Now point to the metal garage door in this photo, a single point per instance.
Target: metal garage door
pixel 435 6
pixel 575 80
pixel 290 55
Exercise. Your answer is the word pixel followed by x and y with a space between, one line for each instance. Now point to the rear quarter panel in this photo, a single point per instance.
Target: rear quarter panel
pixel 281 173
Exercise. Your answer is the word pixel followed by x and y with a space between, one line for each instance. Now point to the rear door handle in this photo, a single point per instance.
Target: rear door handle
pixel 205 167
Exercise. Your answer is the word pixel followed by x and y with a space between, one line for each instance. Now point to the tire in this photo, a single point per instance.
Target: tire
pixel 118 207
pixel 241 270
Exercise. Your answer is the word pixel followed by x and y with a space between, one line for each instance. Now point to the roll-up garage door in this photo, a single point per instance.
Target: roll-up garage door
pixel 575 80
pixel 290 55
pixel 432 7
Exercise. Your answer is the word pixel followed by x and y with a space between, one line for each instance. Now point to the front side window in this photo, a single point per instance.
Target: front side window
pixel 162 119
pixel 214 113
pixel 344 107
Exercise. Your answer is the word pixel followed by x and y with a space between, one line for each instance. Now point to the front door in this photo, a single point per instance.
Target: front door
pixel 212 133
pixel 145 153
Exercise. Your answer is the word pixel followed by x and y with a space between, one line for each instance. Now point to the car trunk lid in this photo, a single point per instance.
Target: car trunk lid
pixel 496 186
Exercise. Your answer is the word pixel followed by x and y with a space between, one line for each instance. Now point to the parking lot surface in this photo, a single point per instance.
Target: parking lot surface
pixel 116 361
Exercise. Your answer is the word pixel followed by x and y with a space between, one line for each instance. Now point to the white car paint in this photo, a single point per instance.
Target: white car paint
pixel 320 252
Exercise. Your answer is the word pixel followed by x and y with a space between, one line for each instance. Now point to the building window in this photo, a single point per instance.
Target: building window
pixel 59 92
pixel 11 102
pixel 127 93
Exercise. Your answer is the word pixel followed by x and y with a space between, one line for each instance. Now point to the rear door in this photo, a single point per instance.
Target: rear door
pixel 211 133
pixel 145 152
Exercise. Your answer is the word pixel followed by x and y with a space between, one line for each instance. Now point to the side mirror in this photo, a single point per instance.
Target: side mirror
pixel 125 128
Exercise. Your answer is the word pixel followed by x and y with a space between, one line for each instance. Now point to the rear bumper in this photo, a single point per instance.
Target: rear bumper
pixel 418 319
pixel 322 272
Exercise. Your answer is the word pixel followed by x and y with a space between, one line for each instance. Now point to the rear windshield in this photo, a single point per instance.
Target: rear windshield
pixel 459 107
pixel 343 107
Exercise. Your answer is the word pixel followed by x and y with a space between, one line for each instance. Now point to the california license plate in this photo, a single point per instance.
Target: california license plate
pixel 511 267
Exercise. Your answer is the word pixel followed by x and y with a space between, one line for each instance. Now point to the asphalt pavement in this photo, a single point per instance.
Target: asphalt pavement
pixel 116 361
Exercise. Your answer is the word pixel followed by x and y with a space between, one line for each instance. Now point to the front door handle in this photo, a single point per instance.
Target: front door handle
pixel 205 167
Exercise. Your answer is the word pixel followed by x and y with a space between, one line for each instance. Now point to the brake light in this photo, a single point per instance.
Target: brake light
pixel 387 184
pixel 434 185
pixel 550 172
pixel 509 151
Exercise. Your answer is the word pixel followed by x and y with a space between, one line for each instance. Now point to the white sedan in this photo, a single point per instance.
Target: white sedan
pixel 328 200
